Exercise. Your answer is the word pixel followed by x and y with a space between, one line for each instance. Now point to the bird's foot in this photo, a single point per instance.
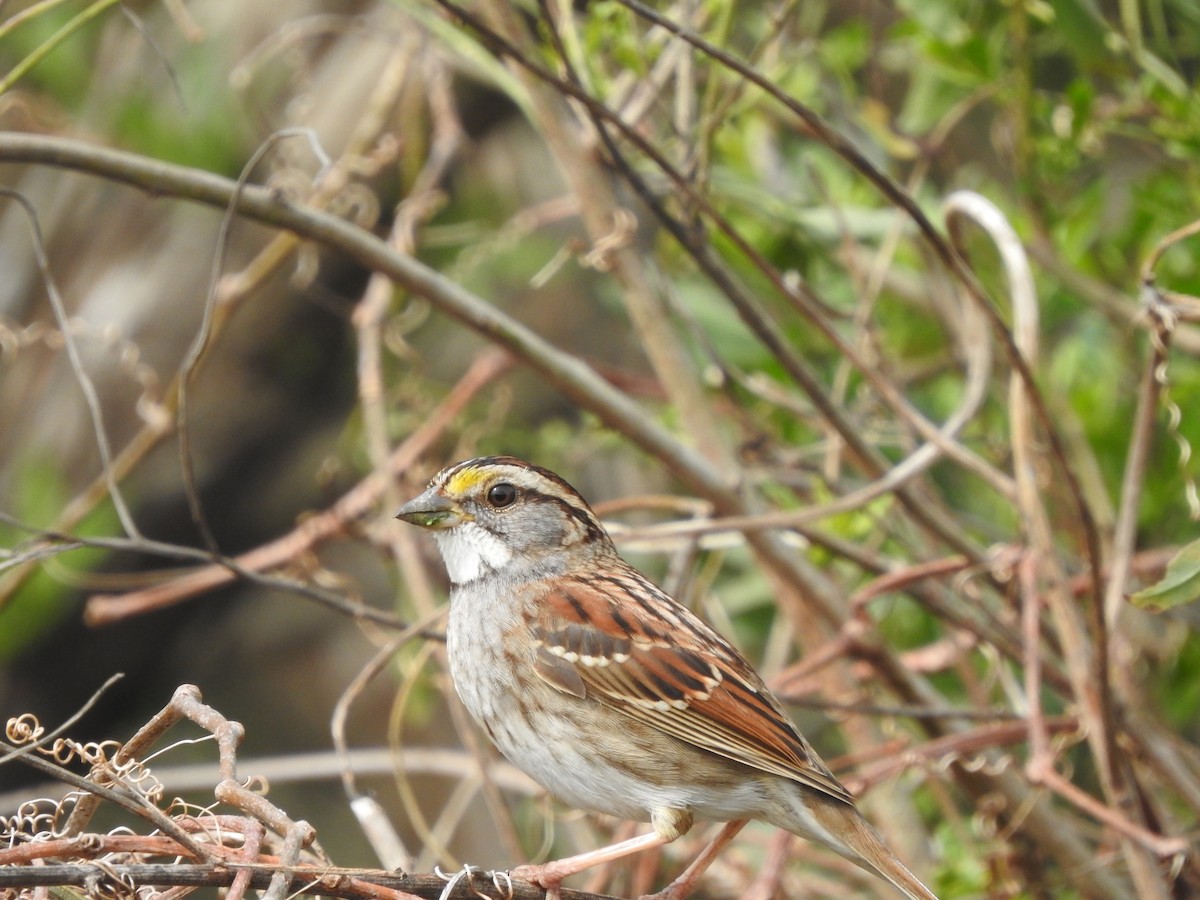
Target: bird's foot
pixel 548 876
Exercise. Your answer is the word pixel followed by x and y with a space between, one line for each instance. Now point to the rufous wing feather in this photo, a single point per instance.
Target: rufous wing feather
pixel 658 663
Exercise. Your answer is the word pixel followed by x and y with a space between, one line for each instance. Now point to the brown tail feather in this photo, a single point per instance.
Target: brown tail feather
pixel 862 844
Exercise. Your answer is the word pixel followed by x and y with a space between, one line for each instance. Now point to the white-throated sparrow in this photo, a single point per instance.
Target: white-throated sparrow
pixel 608 692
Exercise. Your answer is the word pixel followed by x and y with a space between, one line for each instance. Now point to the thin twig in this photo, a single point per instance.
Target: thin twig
pixel 1140 438
pixel 337 727
pixel 86 385
pixel 204 335
pixel 43 740
pixel 353 505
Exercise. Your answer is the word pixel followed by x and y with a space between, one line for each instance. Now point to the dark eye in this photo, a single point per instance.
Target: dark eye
pixel 501 495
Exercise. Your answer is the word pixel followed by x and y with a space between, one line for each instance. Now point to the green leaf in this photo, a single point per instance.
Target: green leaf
pixel 1181 584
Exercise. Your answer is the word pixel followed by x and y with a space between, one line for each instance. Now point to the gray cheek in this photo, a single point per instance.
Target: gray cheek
pixel 532 531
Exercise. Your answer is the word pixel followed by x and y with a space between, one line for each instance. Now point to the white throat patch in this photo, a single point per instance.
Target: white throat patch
pixel 470 550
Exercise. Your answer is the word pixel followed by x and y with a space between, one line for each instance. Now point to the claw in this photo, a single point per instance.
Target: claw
pixel 544 876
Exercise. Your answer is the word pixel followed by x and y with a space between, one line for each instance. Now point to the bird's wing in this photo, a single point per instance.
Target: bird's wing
pixel 620 641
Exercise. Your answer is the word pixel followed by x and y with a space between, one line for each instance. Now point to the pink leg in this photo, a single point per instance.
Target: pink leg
pixel 682 886
pixel 550 875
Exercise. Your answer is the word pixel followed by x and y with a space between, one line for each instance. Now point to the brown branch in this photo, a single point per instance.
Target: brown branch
pixel 892 762
pixel 353 884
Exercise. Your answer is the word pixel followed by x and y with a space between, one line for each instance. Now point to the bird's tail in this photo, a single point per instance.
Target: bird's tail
pixel 839 826
pixel 887 865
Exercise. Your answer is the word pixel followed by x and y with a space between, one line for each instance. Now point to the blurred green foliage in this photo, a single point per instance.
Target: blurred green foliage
pixel 44 601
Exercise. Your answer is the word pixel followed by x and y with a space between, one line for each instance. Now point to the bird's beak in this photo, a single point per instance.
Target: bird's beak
pixel 432 510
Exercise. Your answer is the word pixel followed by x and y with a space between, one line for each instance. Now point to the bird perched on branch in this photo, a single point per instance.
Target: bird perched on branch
pixel 608 692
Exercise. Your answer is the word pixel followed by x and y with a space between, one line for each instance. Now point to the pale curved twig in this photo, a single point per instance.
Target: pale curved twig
pixel 388 847
pixel 302 768
pixel 86 385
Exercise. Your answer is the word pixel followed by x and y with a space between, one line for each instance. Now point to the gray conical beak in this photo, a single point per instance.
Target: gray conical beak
pixel 431 510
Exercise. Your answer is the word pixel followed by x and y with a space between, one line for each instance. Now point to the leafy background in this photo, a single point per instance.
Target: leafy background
pixel 1079 121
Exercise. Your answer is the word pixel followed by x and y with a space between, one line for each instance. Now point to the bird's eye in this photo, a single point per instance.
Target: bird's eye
pixel 501 495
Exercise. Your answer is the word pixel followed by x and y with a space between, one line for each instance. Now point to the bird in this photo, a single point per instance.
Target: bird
pixel 610 693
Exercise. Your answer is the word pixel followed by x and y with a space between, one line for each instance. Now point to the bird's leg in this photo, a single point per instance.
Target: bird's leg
pixel 551 874
pixel 682 886
pixel 669 825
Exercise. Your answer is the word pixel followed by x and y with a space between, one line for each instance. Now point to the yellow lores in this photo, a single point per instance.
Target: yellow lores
pixel 463 480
